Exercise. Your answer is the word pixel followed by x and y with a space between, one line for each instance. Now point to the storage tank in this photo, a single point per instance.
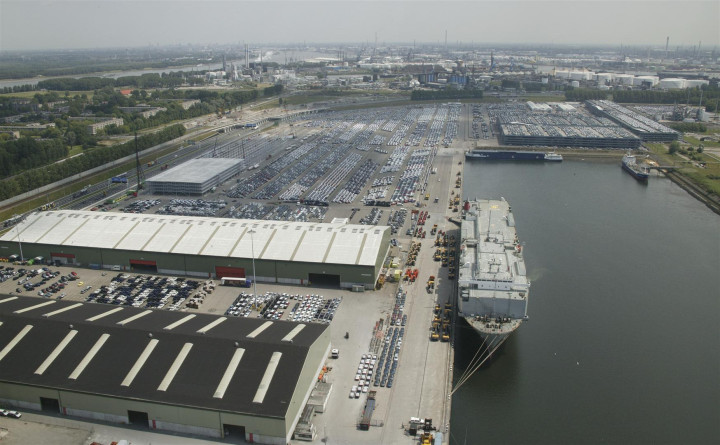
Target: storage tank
pixel 652 80
pixel 672 83
pixel 580 75
pixel 544 80
pixel 575 84
pixel 624 79
pixel 604 78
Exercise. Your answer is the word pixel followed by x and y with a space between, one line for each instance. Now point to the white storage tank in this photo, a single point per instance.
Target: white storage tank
pixel 672 83
pixel 652 80
pixel 580 75
pixel 604 78
pixel 575 84
pixel 624 79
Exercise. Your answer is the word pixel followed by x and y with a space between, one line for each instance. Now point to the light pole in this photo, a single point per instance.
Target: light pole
pixel 252 253
pixel 22 258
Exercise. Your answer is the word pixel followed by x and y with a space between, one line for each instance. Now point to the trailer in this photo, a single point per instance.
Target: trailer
pixel 368 412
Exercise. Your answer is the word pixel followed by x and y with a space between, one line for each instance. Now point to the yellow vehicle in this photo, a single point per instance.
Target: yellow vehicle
pixel 427 196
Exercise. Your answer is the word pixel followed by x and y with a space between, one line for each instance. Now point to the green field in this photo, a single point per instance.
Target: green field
pixel 707 177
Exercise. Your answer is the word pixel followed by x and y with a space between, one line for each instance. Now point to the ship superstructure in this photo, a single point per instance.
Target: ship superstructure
pixel 492 281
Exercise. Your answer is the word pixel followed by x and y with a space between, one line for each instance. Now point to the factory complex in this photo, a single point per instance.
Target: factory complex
pixel 335 254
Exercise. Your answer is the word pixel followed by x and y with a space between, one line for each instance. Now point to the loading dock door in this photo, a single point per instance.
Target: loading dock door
pixel 143 266
pixel 234 431
pixel 138 418
pixel 50 405
pixel 229 272
pixel 324 280
pixel 62 258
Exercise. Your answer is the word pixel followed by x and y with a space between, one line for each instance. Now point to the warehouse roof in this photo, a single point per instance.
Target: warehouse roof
pixel 197 171
pixel 225 363
pixel 335 243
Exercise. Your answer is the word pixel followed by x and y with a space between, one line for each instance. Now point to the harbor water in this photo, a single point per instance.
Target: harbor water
pixel 623 341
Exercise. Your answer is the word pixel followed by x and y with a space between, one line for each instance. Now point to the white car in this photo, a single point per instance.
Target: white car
pixel 7 413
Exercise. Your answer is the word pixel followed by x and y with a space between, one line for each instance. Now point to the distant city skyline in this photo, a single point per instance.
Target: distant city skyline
pixel 78 24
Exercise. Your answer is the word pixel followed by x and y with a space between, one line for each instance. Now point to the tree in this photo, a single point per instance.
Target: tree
pixel 701 148
pixel 674 147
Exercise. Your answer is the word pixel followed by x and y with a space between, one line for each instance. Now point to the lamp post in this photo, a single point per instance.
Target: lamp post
pixel 252 253
pixel 22 258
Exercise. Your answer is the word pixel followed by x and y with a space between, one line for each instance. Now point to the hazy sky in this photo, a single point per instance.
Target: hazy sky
pixel 41 24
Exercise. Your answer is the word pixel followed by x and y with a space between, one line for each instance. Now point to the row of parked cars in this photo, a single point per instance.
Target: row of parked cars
pixel 387 363
pixel 364 374
pixel 10 413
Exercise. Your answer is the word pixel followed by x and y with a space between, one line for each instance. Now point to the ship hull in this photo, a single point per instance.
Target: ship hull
pixel 492 333
pixel 640 176
pixel 507 155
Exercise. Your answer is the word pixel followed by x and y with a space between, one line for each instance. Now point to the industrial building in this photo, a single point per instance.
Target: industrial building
pixel 188 373
pixel 194 177
pixel 539 125
pixel 645 128
pixel 333 254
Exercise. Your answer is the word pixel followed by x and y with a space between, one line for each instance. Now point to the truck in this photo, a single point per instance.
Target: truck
pixel 238 282
pixel 367 412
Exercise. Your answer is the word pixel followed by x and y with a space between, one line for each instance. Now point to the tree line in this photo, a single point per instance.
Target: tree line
pixel 62 63
pixel 710 96
pixel 27 153
pixel 684 127
pixel 582 94
pixel 150 80
pixel 446 94
pixel 38 177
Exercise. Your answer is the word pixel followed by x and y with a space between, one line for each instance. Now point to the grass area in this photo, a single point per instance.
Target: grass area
pixel 695 142
pixel 267 105
pixel 75 150
pixel 707 177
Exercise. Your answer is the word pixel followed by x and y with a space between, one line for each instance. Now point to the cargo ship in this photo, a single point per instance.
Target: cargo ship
pixel 493 287
pixel 630 165
pixel 506 155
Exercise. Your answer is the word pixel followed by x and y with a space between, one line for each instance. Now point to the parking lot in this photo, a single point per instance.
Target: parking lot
pixel 296 171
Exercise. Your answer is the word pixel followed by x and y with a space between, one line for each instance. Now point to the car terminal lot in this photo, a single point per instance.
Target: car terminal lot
pixel 393 149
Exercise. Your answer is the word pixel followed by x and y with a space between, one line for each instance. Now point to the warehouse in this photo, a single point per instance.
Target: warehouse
pixel 187 373
pixel 331 254
pixel 194 177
